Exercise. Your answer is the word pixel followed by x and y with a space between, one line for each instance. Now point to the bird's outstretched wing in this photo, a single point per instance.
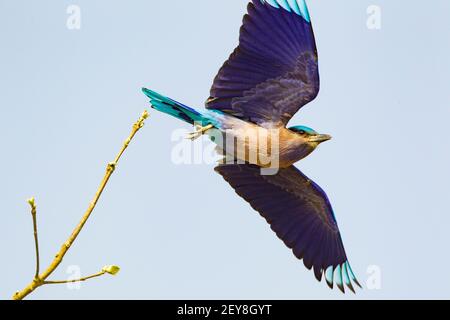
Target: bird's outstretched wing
pixel 301 215
pixel 274 70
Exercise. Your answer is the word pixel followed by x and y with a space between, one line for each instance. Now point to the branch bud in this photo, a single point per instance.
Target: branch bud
pixel 112 270
pixel 32 202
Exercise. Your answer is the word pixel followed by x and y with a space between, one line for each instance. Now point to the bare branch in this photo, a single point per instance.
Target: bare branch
pixel 41 279
pixel 99 274
pixel 32 204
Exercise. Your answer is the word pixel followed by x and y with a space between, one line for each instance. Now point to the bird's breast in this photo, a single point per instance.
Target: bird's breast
pixel 263 146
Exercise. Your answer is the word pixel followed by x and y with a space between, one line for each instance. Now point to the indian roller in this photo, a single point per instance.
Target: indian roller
pixel 266 80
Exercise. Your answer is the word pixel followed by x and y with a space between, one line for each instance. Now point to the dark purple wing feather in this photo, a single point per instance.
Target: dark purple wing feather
pixel 273 72
pixel 298 211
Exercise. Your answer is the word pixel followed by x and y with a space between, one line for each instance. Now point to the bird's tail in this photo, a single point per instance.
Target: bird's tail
pixel 174 108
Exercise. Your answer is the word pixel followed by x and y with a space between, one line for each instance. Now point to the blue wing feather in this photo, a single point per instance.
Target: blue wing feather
pixel 339 282
pixel 329 275
pixel 347 280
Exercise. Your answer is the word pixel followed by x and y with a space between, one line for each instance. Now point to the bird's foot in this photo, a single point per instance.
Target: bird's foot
pixel 199 132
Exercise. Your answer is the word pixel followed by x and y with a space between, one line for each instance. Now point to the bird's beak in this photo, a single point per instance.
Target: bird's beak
pixel 320 138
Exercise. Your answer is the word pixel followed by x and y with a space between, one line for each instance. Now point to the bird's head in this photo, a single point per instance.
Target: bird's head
pixel 310 135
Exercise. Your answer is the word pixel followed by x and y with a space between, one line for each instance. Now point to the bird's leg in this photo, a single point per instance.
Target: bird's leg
pixel 199 132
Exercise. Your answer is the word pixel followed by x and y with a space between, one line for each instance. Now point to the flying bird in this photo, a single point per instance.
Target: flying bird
pixel 266 80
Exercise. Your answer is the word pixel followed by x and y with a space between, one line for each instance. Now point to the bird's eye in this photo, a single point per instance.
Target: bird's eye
pixel 302 132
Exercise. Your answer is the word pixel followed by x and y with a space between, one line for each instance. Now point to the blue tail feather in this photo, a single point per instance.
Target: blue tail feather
pixel 174 108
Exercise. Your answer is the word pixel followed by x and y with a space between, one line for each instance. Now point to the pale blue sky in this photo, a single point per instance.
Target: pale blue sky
pixel 67 101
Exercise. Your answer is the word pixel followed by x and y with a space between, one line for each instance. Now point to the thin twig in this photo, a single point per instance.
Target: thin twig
pixel 41 279
pixel 99 274
pixel 32 204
